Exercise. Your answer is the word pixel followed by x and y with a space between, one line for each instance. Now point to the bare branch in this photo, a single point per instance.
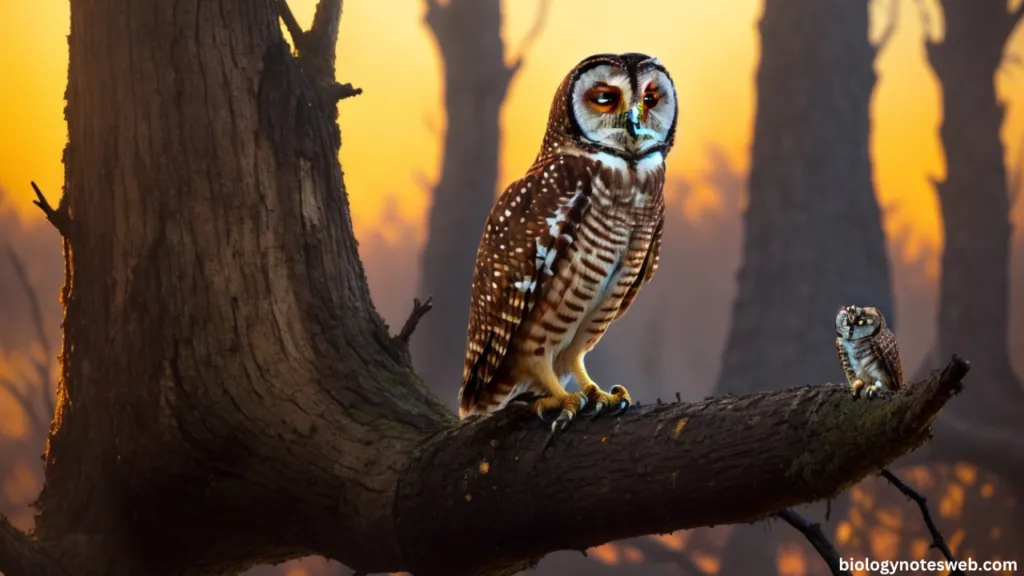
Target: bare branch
pixel 817 539
pixel 938 541
pixel 890 28
pixel 400 342
pixel 323 34
pixel 419 310
pixel 667 439
pixel 42 369
pixel 338 91
pixel 543 7
pixel 38 427
pixel 59 217
pixel 298 36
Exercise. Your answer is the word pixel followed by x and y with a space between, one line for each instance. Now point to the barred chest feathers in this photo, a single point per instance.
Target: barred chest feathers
pixel 605 257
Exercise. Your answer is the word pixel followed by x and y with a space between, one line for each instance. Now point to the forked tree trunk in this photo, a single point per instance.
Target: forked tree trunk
pixel 476 78
pixel 211 290
pixel 813 237
pixel 987 429
pixel 229 397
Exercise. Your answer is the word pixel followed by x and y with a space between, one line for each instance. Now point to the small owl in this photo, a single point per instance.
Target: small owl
pixel 567 247
pixel 868 351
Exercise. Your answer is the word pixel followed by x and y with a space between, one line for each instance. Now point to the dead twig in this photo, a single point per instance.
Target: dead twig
pixel 400 342
pixel 543 7
pixel 315 49
pixel 938 541
pixel 817 539
pixel 57 217
pixel 338 91
pixel 25 403
pixel 419 310
pixel 42 369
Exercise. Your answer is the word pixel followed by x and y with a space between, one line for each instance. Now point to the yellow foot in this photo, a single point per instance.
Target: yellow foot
pixel 567 405
pixel 617 398
pixel 857 385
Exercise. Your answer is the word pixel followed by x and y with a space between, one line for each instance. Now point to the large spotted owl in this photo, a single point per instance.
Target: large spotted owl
pixel 868 351
pixel 567 247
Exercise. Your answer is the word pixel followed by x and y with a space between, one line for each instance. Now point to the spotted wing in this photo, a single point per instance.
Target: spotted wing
pixel 649 266
pixel 523 240
pixel 885 348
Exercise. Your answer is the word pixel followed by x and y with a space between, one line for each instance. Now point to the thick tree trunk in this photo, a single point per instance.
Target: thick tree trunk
pixel 219 337
pixel 813 231
pixel 476 78
pixel 973 315
pixel 229 397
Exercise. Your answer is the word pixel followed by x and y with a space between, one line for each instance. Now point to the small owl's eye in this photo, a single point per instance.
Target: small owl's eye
pixel 870 321
pixel 651 96
pixel 860 322
pixel 603 98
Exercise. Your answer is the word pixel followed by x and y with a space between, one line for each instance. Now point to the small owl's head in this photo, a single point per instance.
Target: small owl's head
pixel 854 322
pixel 619 104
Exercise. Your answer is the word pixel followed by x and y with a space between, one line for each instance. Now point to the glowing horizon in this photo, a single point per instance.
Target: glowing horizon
pixel 716 102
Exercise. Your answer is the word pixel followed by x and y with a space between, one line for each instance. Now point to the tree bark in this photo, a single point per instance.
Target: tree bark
pixel 973 315
pixel 813 236
pixel 229 397
pixel 476 79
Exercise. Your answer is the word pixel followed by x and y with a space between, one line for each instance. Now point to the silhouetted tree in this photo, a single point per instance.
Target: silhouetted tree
pixel 813 238
pixel 476 79
pixel 228 395
pixel 987 429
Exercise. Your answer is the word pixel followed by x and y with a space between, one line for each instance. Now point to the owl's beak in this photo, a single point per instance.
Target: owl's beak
pixel 633 120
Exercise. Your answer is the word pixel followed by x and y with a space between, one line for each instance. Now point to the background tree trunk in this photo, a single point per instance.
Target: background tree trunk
pixel 813 237
pixel 987 429
pixel 973 313
pixel 476 79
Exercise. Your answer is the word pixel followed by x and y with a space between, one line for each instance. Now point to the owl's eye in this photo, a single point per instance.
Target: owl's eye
pixel 860 322
pixel 651 96
pixel 604 99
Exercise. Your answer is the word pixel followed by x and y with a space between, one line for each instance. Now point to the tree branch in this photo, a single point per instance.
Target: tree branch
pixel 663 468
pixel 543 7
pixel 817 539
pixel 938 541
pixel 285 13
pixel 20 556
pixel 317 47
pixel 59 217
pixel 401 340
pixel 42 369
pixel 26 405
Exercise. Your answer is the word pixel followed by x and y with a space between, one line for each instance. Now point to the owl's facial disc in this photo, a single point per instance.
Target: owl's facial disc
pixel 854 322
pixel 622 114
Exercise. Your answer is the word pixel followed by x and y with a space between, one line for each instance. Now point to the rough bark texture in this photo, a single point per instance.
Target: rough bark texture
pixel 813 238
pixel 476 78
pixel 229 397
pixel 973 315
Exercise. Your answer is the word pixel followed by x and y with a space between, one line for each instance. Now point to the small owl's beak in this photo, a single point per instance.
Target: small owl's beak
pixel 633 120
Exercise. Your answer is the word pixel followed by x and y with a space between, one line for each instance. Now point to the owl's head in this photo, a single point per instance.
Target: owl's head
pixel 620 104
pixel 854 322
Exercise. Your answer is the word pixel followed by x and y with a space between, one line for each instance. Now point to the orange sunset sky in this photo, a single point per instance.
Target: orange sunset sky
pixel 392 132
